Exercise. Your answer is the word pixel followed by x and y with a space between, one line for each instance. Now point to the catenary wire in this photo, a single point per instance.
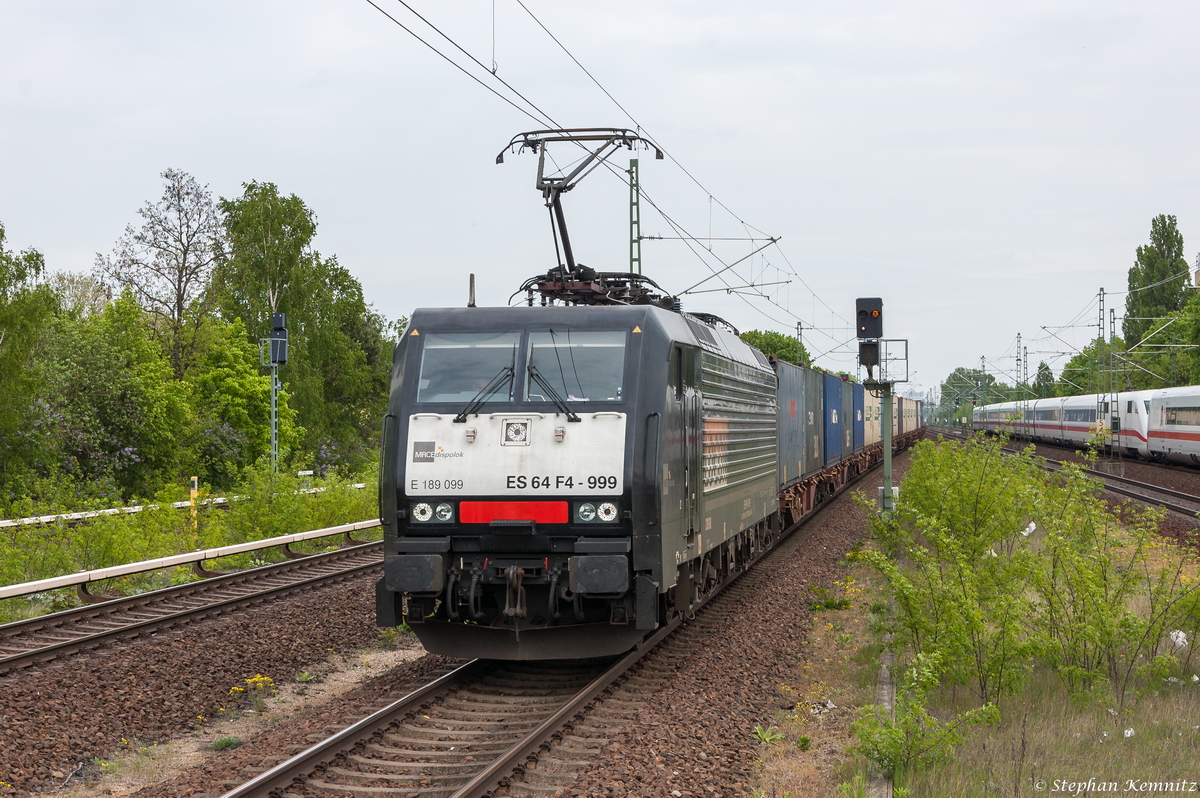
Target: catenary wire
pixel 548 120
pixel 642 131
pixel 459 66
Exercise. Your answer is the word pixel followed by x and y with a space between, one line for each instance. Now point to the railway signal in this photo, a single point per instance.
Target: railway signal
pixel 869 312
pixel 873 353
pixel 274 354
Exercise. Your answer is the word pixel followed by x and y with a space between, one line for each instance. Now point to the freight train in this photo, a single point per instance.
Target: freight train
pixel 1162 424
pixel 558 482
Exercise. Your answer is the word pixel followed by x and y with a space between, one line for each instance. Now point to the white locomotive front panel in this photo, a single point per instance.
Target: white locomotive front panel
pixel 515 454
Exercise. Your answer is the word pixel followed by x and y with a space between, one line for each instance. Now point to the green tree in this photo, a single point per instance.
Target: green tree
pixel 338 362
pixel 269 239
pixel 1189 333
pixel 26 305
pixel 783 347
pixel 1158 281
pixel 1043 383
pixel 119 419
pixel 231 400
pixel 167 264
pixel 79 294
pixel 972 386
pixel 1094 371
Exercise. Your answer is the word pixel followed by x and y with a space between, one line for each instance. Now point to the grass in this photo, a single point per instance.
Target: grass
pixel 225 743
pixel 1049 741
pixel 139 763
pixel 1049 736
pixel 270 508
pixel 1044 733
pixel 809 756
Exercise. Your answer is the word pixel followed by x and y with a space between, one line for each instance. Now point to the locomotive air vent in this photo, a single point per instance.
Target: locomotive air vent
pixel 703 334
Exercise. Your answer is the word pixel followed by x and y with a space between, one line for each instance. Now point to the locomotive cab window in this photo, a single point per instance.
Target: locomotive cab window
pixel 456 367
pixel 582 366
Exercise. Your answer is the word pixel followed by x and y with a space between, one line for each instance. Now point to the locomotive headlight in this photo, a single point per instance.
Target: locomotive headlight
pixel 607 511
pixel 422 512
pixel 444 512
pixel 587 512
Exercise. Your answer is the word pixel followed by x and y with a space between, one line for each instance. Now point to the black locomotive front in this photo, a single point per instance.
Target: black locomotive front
pixel 518 475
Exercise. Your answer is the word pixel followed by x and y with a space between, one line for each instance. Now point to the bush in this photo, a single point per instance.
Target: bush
pixel 998 566
pixel 914 739
pixel 269 505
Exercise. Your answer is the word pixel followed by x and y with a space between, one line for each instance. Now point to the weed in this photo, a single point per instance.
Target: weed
pixel 914 738
pixel 306 677
pixel 107 767
pixel 855 788
pixel 804 743
pixel 225 743
pixel 767 735
pixel 829 604
pixel 259 689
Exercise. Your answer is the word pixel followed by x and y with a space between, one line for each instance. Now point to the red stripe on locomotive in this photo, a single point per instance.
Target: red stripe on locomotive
pixel 486 512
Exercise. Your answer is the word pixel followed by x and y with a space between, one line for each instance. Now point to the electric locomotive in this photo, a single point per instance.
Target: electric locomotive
pixel 558 481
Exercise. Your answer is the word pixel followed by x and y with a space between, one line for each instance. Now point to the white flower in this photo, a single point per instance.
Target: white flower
pixel 1195 678
pixel 1178 638
pixel 993 552
pixel 1129 732
pixel 1112 712
pixel 1029 530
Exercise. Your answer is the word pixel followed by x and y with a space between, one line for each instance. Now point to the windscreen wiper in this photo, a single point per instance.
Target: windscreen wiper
pixel 554 395
pixel 504 375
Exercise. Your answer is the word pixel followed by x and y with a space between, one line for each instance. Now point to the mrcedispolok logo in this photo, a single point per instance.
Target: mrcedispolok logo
pixel 429 451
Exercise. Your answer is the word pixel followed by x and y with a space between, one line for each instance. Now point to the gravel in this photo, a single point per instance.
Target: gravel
pixel 695 738
pixel 154 688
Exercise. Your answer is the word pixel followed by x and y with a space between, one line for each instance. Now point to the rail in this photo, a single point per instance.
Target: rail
pixel 84 577
pixel 1142 491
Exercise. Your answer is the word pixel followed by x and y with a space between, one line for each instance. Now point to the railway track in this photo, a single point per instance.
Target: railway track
pixel 518 729
pixel 484 724
pixel 48 637
pixel 1176 501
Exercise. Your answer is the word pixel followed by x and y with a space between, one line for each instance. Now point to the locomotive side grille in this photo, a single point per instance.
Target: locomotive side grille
pixel 739 423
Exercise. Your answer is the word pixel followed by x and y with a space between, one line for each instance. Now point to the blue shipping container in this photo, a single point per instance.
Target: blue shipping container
pixel 833 419
pixel 859 406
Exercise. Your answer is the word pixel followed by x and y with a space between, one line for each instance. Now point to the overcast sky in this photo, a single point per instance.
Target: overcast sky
pixel 985 168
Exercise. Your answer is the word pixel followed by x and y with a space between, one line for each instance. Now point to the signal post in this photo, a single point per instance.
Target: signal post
pixel 889 356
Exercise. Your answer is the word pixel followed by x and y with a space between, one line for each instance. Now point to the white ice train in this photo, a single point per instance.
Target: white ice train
pixel 1161 424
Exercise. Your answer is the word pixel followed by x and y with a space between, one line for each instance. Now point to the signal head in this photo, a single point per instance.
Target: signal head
pixel 869 317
